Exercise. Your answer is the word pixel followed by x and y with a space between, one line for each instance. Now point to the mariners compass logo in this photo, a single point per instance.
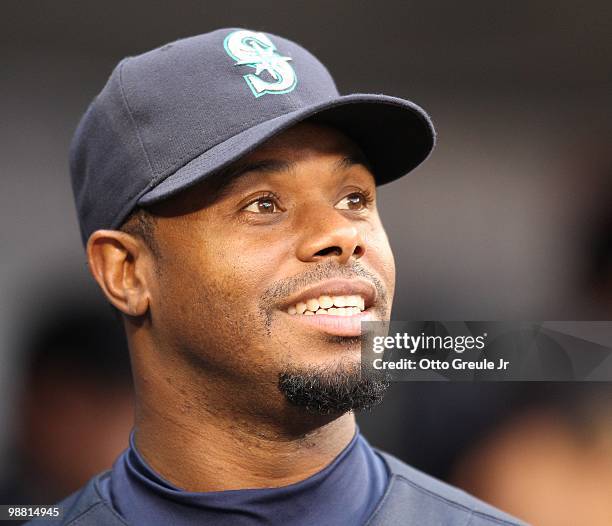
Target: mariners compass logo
pixel 273 73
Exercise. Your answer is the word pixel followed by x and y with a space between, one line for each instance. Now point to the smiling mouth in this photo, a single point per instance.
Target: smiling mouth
pixel 337 315
pixel 335 307
pixel 330 305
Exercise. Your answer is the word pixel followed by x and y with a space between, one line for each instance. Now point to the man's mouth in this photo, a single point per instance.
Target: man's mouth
pixel 332 305
pixel 336 307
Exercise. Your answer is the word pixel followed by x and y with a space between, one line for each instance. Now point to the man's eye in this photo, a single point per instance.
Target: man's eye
pixel 263 205
pixel 354 201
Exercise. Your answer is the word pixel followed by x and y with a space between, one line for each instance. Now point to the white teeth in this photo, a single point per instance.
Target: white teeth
pixel 325 302
pixel 353 301
pixel 340 301
pixel 313 305
pixel 334 305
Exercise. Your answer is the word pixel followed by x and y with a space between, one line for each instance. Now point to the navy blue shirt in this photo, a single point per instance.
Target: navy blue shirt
pixel 345 492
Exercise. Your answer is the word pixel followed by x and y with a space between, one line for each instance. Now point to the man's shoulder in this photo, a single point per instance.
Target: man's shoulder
pixel 411 498
pixel 412 493
pixel 85 507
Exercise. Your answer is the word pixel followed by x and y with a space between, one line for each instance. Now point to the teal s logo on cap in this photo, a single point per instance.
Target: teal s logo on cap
pixel 256 50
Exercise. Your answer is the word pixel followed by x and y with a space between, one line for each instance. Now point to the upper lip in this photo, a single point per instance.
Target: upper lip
pixel 336 287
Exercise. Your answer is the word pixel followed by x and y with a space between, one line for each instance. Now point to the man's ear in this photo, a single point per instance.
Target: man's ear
pixel 119 262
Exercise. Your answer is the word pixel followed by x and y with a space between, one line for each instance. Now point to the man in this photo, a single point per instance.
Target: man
pixel 226 197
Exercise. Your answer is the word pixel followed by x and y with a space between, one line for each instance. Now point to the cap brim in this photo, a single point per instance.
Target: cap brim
pixel 395 135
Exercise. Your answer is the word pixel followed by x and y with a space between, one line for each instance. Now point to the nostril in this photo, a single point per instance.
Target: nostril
pixel 337 251
pixel 358 251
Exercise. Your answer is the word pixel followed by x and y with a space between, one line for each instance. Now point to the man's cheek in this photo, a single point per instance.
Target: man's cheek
pixel 380 254
pixel 389 266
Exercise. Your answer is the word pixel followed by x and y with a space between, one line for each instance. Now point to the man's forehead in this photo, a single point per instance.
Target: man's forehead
pixel 303 142
pixel 276 164
pixel 247 171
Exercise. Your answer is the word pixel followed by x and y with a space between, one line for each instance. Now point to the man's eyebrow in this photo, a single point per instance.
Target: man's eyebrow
pixel 265 165
pixel 352 160
pixel 228 177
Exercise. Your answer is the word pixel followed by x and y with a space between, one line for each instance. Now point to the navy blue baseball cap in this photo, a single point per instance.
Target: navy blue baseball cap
pixel 173 116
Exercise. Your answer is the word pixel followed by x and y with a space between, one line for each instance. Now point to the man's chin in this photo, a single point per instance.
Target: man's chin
pixel 333 389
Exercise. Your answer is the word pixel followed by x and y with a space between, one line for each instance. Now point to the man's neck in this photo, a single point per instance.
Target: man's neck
pixel 218 453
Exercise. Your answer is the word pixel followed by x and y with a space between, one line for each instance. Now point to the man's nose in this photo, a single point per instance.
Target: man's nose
pixel 328 233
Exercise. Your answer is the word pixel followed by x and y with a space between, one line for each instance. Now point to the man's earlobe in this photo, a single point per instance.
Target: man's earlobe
pixel 118 263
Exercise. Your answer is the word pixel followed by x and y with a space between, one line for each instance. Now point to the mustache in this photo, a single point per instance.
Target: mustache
pixel 284 288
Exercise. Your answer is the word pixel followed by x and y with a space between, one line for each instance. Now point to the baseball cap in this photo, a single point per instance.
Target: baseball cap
pixel 171 117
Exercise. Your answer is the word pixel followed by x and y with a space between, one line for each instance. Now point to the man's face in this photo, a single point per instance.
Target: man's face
pixel 270 275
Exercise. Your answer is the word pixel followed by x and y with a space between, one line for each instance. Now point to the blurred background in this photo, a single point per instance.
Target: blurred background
pixel 510 219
